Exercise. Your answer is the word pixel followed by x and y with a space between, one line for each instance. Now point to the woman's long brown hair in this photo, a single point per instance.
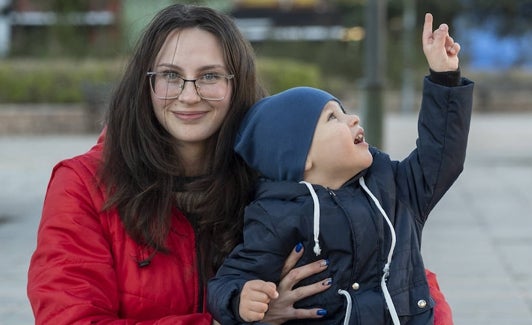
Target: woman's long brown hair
pixel 140 167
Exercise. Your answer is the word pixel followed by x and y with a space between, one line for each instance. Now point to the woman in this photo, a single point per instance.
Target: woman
pixel 132 229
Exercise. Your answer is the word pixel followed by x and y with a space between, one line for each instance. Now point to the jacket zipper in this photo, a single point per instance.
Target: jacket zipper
pixel 333 196
pixel 335 199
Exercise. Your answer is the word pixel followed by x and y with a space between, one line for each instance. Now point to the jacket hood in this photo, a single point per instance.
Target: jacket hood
pixel 276 134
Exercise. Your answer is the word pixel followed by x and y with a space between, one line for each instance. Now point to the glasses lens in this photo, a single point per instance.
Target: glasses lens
pixel 213 87
pixel 166 85
pixel 170 85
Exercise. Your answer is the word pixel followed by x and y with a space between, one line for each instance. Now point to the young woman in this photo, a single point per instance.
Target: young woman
pixel 132 229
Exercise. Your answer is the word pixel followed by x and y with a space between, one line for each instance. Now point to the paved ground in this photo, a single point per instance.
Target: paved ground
pixel 479 238
pixel 478 241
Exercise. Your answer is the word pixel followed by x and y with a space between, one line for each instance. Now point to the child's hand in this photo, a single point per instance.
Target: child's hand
pixel 254 299
pixel 440 49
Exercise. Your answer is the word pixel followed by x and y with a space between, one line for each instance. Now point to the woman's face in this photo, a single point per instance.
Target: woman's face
pixel 190 54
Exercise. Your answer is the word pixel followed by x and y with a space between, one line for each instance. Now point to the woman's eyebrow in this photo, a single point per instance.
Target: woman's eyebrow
pixel 213 66
pixel 200 69
pixel 168 65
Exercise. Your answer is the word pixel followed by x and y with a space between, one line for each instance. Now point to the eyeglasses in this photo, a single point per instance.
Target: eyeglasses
pixel 169 85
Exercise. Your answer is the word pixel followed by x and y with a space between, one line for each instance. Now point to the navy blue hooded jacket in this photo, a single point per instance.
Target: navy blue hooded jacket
pixel 353 233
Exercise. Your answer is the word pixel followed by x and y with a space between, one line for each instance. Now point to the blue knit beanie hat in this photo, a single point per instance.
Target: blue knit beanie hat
pixel 276 134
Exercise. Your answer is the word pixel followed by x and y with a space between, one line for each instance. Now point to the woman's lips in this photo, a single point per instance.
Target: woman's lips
pixel 189 116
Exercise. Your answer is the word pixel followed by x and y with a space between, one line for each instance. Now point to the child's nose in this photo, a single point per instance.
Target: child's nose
pixel 353 119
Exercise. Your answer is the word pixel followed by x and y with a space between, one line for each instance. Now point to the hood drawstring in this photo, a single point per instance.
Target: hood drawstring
pixel 317 248
pixel 349 305
pixel 386 269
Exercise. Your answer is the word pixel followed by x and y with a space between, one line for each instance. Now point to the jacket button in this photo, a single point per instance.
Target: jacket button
pixel 355 286
pixel 422 303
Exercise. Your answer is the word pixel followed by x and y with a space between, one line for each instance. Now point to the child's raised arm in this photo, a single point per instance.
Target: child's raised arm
pixel 439 47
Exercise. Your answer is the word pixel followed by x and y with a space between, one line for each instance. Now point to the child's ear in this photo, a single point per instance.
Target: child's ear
pixel 308 164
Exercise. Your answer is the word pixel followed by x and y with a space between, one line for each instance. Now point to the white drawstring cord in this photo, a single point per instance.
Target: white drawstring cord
pixel 386 270
pixel 317 249
pixel 349 305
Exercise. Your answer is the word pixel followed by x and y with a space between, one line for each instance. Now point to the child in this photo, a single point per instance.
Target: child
pixel 323 186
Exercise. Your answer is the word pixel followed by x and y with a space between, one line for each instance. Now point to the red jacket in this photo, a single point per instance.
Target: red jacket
pixel 85 271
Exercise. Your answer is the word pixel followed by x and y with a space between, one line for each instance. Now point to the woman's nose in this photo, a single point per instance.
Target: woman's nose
pixel 189 93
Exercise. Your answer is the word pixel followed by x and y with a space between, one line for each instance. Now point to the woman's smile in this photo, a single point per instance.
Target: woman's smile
pixel 189 116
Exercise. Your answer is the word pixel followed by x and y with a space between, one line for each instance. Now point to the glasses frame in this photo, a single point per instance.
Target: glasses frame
pixel 152 74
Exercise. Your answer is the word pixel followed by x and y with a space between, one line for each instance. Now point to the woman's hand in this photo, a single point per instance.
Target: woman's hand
pixel 282 309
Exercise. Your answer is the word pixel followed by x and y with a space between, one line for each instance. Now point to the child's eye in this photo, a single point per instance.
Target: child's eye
pixel 331 117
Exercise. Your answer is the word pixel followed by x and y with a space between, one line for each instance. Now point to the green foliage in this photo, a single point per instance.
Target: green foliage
pixel 73 81
pixel 280 74
pixel 332 58
pixel 58 81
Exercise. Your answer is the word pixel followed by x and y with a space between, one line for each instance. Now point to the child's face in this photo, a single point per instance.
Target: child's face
pixel 338 150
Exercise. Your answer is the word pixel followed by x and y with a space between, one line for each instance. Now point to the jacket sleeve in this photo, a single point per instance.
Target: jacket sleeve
pixel 260 256
pixel 71 277
pixel 438 160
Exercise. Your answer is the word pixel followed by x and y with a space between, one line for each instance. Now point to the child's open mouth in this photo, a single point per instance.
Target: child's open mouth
pixel 359 138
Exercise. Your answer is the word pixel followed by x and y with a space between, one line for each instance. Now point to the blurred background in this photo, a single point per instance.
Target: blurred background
pixel 73 51
pixel 60 59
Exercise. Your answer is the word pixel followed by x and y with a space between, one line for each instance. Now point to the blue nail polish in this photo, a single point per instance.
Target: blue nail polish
pixel 299 247
pixel 321 312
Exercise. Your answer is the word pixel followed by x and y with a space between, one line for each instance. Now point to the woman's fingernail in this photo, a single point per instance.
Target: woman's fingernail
pixel 324 262
pixel 327 282
pixel 299 247
pixel 321 312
